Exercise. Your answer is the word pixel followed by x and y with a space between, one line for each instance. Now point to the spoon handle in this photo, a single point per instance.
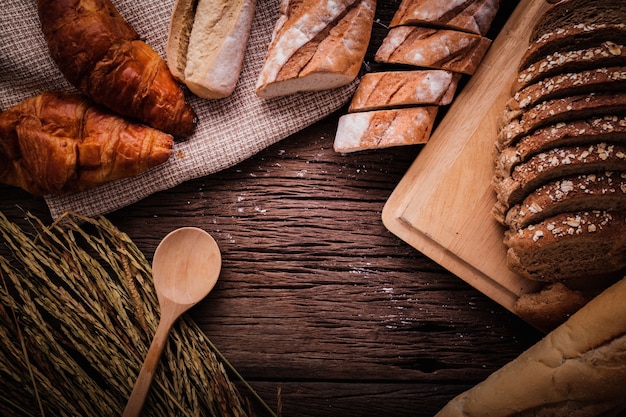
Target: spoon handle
pixel 144 380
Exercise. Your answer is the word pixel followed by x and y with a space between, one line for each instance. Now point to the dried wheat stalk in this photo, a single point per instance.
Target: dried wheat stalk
pixel 77 314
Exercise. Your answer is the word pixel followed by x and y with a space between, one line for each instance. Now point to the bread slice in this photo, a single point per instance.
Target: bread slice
pixel 604 191
pixel 610 129
pixel 569 245
pixel 207 42
pixel 549 307
pixel 595 80
pixel 316 45
pixel 433 48
pixel 474 16
pixel 557 163
pixel 384 128
pixel 380 90
pixel 607 54
pixel 515 124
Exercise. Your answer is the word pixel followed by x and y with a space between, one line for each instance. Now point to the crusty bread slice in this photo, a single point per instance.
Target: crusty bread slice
pixel 389 89
pixel 569 245
pixel 604 191
pixel 515 124
pixel 610 129
pixel 316 45
pixel 607 54
pixel 557 163
pixel 474 16
pixel 384 128
pixel 433 48
pixel 595 80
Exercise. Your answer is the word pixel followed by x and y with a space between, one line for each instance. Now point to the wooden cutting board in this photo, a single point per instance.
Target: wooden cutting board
pixel 442 206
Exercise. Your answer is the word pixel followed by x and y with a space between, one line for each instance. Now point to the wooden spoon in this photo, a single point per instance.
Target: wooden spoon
pixel 185 268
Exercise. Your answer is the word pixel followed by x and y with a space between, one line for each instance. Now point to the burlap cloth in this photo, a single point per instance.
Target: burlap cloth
pixel 229 130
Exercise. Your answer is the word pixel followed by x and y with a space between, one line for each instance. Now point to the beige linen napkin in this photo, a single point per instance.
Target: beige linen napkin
pixel 229 130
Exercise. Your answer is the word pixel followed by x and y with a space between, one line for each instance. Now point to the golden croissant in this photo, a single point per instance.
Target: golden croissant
pixel 59 143
pixel 102 56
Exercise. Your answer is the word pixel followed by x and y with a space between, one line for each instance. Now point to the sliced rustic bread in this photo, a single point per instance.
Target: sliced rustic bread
pixel 557 163
pixel 433 48
pixel 474 16
pixel 515 124
pixel 607 54
pixel 572 83
pixel 569 245
pixel 384 128
pixel 604 191
pixel 382 90
pixel 611 129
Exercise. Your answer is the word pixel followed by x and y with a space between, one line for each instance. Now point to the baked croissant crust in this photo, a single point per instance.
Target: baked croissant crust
pixel 59 143
pixel 102 56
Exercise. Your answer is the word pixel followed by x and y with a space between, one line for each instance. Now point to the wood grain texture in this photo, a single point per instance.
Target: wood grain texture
pixel 316 297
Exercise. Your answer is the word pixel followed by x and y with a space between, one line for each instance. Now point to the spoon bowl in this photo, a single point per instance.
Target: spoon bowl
pixel 185 268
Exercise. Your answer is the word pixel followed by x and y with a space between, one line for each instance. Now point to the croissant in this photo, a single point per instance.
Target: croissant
pixel 59 143
pixel 102 56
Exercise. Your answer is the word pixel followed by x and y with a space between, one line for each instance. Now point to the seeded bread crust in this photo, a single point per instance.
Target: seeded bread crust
pixel 573 83
pixel 605 191
pixel 557 248
pixel 611 129
pixel 514 125
pixel 382 90
pixel 574 37
pixel 474 16
pixel 607 54
pixel 433 48
pixel 556 163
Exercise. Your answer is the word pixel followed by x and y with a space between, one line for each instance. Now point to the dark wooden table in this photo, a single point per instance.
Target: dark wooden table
pixel 316 298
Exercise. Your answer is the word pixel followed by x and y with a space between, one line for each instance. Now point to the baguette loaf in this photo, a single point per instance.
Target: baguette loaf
pixel 102 56
pixel 474 16
pixel 380 90
pixel 206 44
pixel 316 45
pixel 578 370
pixel 433 48
pixel 384 128
pixel 59 143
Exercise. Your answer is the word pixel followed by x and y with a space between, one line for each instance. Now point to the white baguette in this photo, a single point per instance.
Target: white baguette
pixel 384 128
pixel 207 42
pixel 316 45
pixel 577 370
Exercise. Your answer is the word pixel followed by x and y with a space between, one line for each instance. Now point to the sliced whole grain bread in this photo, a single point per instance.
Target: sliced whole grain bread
pixel 389 89
pixel 433 48
pixel 474 16
pixel 571 38
pixel 607 54
pixel 604 191
pixel 595 80
pixel 514 125
pixel 610 129
pixel 557 163
pixel 569 245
